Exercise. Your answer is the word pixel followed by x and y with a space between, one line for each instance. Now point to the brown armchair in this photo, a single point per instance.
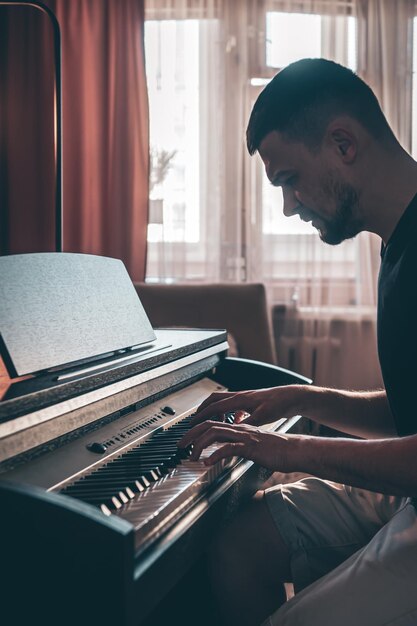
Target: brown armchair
pixel 239 308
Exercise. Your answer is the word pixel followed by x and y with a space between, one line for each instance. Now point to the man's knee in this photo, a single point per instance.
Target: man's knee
pixel 252 545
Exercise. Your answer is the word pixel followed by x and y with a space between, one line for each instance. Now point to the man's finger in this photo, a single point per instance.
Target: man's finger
pixel 215 397
pixel 233 403
pixel 256 418
pixel 192 435
pixel 236 448
pixel 216 434
pixel 241 416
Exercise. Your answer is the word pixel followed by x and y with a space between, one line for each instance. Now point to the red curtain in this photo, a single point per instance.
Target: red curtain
pixel 27 172
pixel 105 130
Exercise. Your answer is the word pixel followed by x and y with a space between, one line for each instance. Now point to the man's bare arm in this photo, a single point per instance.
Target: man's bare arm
pixel 364 414
pixel 382 465
pixel 360 413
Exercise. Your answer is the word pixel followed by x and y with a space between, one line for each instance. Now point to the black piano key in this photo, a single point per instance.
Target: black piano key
pixel 112 496
pixel 116 470
pixel 157 455
pixel 112 501
pixel 96 496
pixel 113 483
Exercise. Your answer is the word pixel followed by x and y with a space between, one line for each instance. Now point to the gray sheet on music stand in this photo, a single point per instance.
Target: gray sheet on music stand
pixel 57 308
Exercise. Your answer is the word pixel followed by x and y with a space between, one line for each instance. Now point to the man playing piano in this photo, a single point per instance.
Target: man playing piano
pixel 346 536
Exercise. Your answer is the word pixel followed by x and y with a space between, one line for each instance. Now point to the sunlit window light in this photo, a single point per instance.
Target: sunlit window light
pixel 172 69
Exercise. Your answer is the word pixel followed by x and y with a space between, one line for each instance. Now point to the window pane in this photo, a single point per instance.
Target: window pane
pixel 172 69
pixel 352 53
pixel 291 36
pixel 294 36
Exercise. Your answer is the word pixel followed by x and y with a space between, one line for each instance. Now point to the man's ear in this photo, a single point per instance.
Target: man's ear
pixel 344 142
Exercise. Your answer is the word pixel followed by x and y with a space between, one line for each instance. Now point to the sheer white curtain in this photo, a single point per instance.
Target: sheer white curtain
pixel 385 58
pixel 183 44
pixel 196 57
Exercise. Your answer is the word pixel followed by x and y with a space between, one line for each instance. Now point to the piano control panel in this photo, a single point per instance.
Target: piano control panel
pixel 74 459
pixel 147 480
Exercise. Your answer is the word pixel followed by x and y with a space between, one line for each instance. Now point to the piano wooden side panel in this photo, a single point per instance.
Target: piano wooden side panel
pixel 63 562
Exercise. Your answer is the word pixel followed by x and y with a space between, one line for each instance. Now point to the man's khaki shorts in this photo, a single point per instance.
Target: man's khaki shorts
pixel 353 555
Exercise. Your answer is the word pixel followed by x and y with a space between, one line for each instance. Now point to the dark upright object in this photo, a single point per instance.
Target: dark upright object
pixel 102 516
pixel 58 114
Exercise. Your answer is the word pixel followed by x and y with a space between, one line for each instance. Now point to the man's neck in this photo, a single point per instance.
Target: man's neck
pixel 389 193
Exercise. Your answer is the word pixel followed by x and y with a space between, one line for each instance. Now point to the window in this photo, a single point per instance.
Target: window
pixel 183 74
pixel 172 69
pixel 282 47
pixel 201 228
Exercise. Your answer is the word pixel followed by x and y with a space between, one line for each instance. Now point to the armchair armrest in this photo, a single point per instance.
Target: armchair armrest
pixel 249 374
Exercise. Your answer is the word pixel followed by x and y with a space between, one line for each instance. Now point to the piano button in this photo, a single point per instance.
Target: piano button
pixel 169 410
pixel 98 448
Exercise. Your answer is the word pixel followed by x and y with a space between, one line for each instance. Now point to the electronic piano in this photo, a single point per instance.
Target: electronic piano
pixel 102 516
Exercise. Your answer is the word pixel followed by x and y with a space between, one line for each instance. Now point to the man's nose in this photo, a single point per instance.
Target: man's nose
pixel 291 202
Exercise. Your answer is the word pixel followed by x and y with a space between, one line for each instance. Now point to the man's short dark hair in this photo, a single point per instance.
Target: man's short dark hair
pixel 303 98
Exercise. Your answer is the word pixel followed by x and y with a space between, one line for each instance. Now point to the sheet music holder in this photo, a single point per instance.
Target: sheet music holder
pixel 62 309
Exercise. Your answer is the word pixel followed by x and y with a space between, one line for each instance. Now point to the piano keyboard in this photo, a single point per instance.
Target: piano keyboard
pixel 150 483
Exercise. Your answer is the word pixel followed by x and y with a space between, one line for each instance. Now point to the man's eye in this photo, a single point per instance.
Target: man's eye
pixel 290 181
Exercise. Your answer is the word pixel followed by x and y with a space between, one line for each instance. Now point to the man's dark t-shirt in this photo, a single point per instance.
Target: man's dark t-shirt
pixel 397 320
